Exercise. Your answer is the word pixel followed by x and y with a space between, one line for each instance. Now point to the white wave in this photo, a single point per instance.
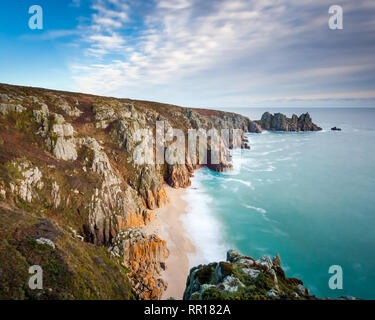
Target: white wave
pixel 205 231
pixel 295 153
pixel 246 183
pixel 251 162
pixel 268 169
pixel 260 210
pixel 284 159
pixel 268 143
pixel 272 151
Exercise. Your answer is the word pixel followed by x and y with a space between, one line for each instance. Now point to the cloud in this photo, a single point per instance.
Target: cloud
pixel 102 34
pixel 244 49
pixel 75 3
pixel 51 35
pixel 111 42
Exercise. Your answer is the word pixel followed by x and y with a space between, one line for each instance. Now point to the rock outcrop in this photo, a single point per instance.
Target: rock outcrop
pixel 114 205
pixel 6 108
pixel 336 129
pixel 145 257
pixel 61 140
pixel 179 176
pixel 151 188
pixel 29 183
pixel 242 277
pixel 59 135
pixel 201 118
pixel 280 122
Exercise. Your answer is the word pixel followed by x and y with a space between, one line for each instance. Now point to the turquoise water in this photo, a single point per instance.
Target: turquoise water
pixel 308 196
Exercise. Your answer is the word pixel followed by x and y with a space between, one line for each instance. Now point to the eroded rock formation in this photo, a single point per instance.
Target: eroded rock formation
pixel 145 257
pixel 280 122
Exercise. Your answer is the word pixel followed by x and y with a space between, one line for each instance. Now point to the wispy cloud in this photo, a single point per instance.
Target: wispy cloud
pixel 51 35
pixel 196 51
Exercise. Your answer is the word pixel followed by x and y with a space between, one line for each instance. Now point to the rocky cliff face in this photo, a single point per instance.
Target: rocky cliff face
pixel 279 122
pixel 68 158
pixel 145 257
pixel 243 278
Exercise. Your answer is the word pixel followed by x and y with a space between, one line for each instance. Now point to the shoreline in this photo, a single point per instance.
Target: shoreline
pixel 167 225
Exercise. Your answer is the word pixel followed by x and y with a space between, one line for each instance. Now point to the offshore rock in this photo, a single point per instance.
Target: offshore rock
pixel 279 122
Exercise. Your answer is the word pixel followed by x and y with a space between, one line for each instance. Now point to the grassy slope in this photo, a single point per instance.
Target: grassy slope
pixel 74 270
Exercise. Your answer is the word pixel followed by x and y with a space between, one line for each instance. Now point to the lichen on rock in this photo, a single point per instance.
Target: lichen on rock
pixel 145 258
pixel 29 180
pixel 242 277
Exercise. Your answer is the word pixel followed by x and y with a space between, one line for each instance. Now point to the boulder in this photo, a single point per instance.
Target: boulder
pixel 46 241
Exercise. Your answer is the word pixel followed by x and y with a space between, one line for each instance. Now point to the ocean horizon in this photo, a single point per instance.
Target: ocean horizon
pixel 308 196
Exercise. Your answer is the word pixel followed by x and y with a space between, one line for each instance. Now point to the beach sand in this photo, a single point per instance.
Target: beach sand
pixel 168 226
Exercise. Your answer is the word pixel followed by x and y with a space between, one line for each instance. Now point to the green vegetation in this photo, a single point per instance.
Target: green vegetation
pixel 205 274
pixel 73 270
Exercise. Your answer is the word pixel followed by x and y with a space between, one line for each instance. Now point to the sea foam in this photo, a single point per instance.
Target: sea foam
pixel 204 229
pixel 260 210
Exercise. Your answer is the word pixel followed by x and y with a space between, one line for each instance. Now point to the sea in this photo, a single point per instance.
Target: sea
pixel 309 196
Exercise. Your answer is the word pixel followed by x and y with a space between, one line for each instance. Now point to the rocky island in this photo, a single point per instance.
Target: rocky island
pixel 280 122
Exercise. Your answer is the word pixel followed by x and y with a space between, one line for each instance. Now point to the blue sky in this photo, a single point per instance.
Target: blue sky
pixel 217 53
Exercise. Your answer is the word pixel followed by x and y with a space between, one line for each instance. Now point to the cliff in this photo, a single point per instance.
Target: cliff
pixel 66 161
pixel 280 122
pixel 244 278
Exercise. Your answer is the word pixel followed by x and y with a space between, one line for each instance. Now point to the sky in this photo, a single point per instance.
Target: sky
pixel 195 53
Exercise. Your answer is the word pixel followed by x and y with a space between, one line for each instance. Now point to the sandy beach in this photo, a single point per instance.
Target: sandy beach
pixel 168 226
